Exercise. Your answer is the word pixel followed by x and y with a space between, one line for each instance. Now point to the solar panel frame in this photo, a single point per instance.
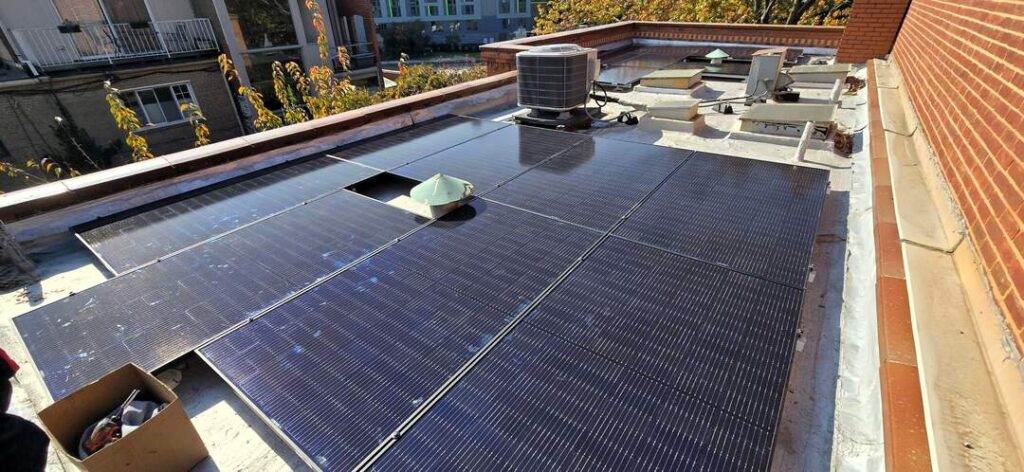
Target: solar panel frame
pixel 452 256
pixel 396 148
pixel 126 241
pixel 195 295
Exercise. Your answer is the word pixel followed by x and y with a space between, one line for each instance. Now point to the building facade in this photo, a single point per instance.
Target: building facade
pixel 465 22
pixel 56 55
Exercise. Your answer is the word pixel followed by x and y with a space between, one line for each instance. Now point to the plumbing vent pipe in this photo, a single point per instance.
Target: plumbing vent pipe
pixel 805 139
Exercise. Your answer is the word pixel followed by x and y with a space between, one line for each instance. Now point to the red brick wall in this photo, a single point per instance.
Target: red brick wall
pixel 500 57
pixel 871 30
pixel 963 67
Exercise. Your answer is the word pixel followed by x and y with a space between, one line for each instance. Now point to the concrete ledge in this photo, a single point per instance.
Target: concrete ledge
pixel 966 347
pixel 887 76
pixel 894 113
pixel 22 204
pixel 903 413
pixel 970 389
pixel 920 220
pixel 961 402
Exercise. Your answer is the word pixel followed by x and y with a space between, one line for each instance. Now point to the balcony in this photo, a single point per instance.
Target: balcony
pixel 74 45
pixel 361 56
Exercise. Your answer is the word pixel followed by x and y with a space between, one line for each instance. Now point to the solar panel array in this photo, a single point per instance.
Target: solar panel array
pixel 604 305
pixel 130 242
pixel 541 403
pixel 640 359
pixel 381 337
pixel 157 313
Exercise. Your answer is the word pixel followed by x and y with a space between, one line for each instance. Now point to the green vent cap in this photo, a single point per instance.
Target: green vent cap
pixel 441 190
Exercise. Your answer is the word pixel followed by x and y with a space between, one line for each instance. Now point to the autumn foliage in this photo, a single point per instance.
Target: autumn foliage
pixel 561 15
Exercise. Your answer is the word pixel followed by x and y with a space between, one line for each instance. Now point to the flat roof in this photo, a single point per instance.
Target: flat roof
pixel 575 246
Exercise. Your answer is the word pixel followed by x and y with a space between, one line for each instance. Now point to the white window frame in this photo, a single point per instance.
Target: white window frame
pixel 147 124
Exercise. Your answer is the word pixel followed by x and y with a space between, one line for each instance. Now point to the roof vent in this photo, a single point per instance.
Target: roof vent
pixel 436 196
pixel 717 56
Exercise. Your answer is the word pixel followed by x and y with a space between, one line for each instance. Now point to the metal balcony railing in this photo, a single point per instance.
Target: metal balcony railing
pixel 81 44
pixel 361 55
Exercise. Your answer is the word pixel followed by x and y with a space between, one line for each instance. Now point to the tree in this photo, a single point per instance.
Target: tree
pixel 410 38
pixel 561 15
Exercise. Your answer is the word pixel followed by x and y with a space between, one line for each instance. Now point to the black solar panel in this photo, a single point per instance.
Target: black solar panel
pixel 756 217
pixel 489 161
pixel 409 144
pixel 338 368
pixel 143 237
pixel 593 184
pixel 540 403
pixel 719 336
pixel 159 312
pixel 499 255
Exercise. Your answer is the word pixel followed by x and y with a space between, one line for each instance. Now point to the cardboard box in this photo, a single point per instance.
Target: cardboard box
pixel 167 442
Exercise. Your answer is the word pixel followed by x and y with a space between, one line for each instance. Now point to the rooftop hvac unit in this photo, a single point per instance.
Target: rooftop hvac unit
pixel 556 78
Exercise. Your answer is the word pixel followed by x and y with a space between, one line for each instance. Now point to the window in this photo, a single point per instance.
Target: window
pixel 262 23
pixel 506 23
pixel 159 105
pixel 468 8
pixel 504 6
pixel 414 7
pixel 394 8
pixel 433 7
pixel 472 25
pixel 522 6
pixel 450 8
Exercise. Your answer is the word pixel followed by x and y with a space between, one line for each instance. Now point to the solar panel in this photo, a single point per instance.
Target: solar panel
pixel 538 402
pixel 155 314
pixel 143 237
pixel 495 158
pixel 409 144
pixel 502 256
pixel 753 216
pixel 719 336
pixel 366 347
pixel 593 184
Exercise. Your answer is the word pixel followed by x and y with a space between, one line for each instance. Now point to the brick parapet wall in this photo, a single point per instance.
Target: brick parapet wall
pixel 500 57
pixel 871 29
pixel 963 69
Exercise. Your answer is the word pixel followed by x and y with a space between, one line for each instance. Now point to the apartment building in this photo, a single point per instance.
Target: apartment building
pixel 472 22
pixel 56 54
